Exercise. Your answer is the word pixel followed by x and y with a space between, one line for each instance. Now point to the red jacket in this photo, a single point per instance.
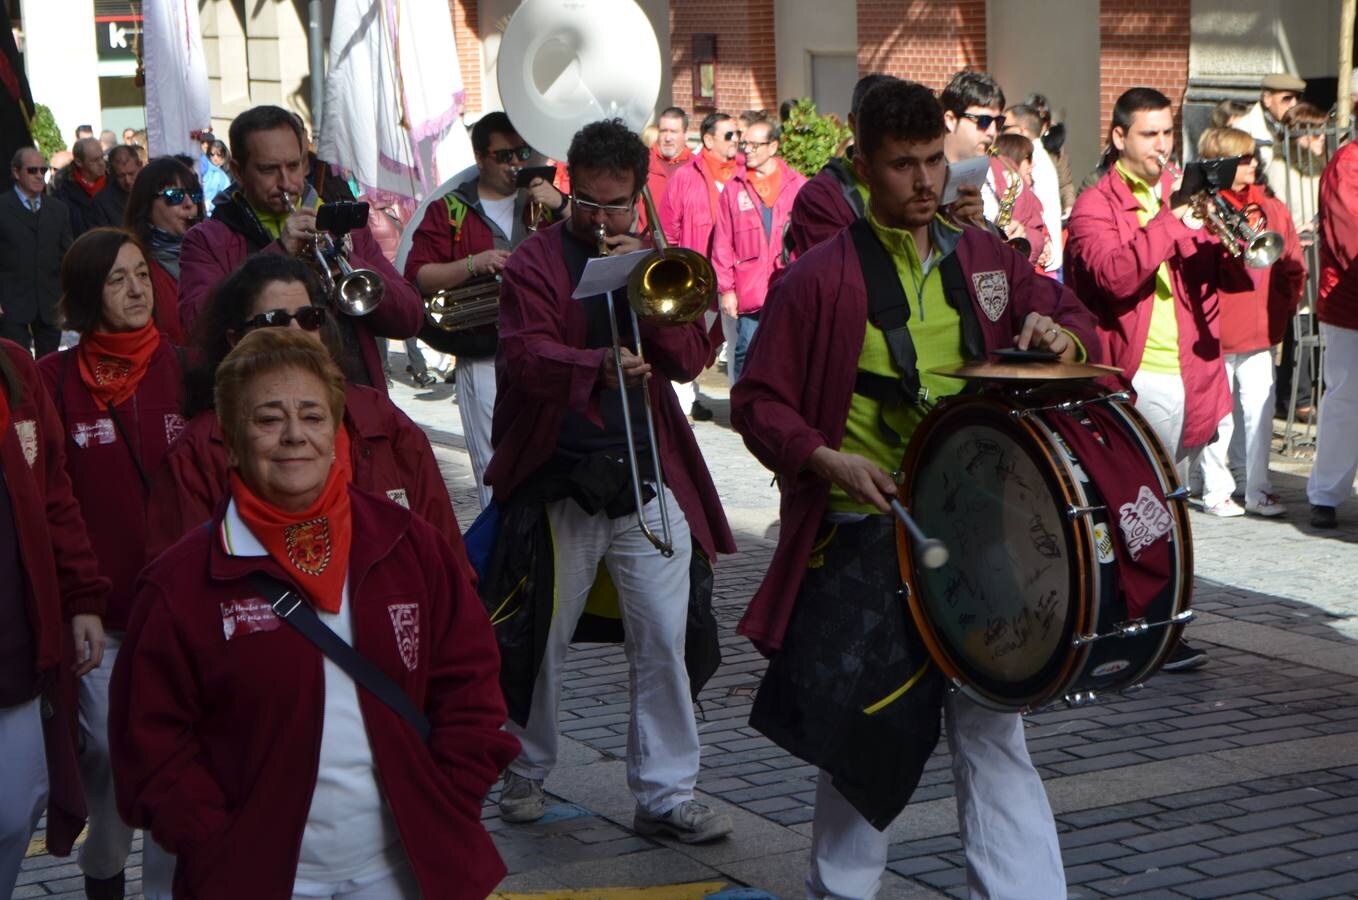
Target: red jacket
pixel 794 392
pixel 744 257
pixel 436 239
pixel 166 289
pixel 687 214
pixel 821 209
pixel 391 458
pixel 215 740
pixel 103 463
pixel 1256 319
pixel 658 178
pixel 212 251
pixel 1338 304
pixel 543 367
pixel 1111 261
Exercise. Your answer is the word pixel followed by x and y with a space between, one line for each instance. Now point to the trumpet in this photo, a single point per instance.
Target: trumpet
pixel 354 292
pixel 1243 232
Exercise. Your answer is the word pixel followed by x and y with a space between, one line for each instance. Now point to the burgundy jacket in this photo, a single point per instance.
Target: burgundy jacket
pixel 166 289
pixel 744 258
pixel 1338 304
pixel 820 210
pixel 1027 209
pixel 212 251
pixel 1111 261
pixel 794 393
pixel 215 739
pixel 543 367
pixel 103 462
pixel 391 458
pixel 1256 319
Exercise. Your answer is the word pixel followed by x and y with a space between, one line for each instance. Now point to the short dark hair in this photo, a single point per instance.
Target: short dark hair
pixel 84 269
pixel 215 144
pixel 968 89
pixel 1041 106
pixel 263 118
pixel 80 154
pixel 710 121
pixel 865 84
pixel 901 110
pixel 1013 147
pixel 610 145
pixel 673 112
pixel 157 175
pixel 1226 110
pixel 490 123
pixel 120 151
pixel 1025 116
pixel 1138 99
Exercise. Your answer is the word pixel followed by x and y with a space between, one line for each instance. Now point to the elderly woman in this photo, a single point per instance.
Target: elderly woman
pixel 163 205
pixel 244 748
pixel 389 454
pixel 39 524
pixel 1252 322
pixel 118 394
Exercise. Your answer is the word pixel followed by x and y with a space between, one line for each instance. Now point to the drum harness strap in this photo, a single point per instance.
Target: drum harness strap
pixel 889 310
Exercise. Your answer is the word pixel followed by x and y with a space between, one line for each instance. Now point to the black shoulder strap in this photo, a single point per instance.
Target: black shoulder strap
pixel 298 613
pixel 889 310
pixel 131 450
pixel 959 298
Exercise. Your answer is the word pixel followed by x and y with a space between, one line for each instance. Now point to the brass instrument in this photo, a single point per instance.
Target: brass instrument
pixel 1243 232
pixel 354 292
pixel 1013 182
pixel 467 306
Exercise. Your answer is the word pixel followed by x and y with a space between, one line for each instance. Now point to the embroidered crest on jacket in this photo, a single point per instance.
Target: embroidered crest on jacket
pixel 405 624
pixel 992 293
pixel 27 430
pixel 398 496
pixel 308 545
pixel 174 427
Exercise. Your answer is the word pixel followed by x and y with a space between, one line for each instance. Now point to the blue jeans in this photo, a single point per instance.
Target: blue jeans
pixel 745 328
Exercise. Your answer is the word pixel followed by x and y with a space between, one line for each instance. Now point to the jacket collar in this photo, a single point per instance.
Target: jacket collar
pixel 469 193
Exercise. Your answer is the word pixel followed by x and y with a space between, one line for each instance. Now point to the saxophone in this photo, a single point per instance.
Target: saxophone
pixel 1013 184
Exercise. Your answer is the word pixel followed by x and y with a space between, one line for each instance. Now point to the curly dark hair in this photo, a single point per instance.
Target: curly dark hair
pixel 968 89
pixel 902 110
pixel 609 144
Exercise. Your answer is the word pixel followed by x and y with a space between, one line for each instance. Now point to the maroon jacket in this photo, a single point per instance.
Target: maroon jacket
pixel 391 458
pixel 1111 261
pixel 215 741
pixel 543 367
pixel 1027 209
pixel 821 210
pixel 1338 304
pixel 212 251
pixel 1256 319
pixel 103 462
pixel 794 393
pixel 166 289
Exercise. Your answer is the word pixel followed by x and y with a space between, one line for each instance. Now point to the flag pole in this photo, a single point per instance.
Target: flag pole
pixel 1344 106
pixel 317 51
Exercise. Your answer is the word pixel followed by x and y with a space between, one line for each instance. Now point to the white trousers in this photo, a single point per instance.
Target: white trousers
pixel 730 330
pixel 476 404
pixel 108 840
pixel 1250 376
pixel 1008 834
pixel 23 785
pixel 1331 480
pixel 662 738
pixel 399 885
pixel 157 870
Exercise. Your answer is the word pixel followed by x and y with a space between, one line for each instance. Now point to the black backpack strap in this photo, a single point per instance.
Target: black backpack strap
pixel 959 298
pixel 889 310
pixel 298 613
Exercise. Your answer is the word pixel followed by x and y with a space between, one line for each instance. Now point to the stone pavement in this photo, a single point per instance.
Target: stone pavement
pixel 1237 780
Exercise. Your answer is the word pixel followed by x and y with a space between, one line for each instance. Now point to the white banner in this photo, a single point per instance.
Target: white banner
pixel 177 99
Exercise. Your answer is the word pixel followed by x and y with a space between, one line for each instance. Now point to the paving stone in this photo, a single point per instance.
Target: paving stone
pixel 1345 885
pixel 1102 852
pixel 1269 818
pixel 1112 831
pixel 1163 858
pixel 1261 858
pixel 1322 866
pixel 915 865
pixel 1139 884
pixel 1225 793
pixel 1233 885
pixel 1174 837
pixel 1102 814
pixel 1297 797
pixel 1239 843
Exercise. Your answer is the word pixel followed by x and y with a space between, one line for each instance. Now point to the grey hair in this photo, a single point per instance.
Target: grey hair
pixel 18 159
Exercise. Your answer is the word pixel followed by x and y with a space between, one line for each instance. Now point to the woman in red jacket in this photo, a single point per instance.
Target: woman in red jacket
pixel 165 202
pixel 49 580
pixel 241 746
pixel 390 455
pixel 118 393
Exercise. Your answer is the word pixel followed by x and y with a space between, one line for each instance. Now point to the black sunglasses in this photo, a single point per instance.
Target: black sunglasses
pixel 175 195
pixel 510 153
pixel 732 135
pixel 310 318
pixel 984 120
pixel 35 170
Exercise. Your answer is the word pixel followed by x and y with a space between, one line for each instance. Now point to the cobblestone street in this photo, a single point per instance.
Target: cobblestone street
pixel 1236 780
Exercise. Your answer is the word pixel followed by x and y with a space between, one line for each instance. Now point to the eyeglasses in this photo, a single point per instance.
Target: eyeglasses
pixel 511 153
pixel 611 209
pixel 1245 159
pixel 34 170
pixel 175 195
pixel 310 318
pixel 755 144
pixel 985 120
pixel 732 135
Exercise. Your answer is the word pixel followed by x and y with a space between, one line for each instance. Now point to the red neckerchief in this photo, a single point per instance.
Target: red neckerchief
pixel 766 186
pixel 685 154
pixel 312 546
pixel 1253 193
pixel 719 171
pixel 88 187
pixel 112 365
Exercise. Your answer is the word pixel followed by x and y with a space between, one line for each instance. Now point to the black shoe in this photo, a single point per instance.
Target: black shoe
pixel 1184 657
pixel 700 413
pixel 105 888
pixel 423 378
pixel 1323 516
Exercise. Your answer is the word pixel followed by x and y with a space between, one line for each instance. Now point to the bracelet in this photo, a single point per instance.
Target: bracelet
pixel 565 201
pixel 471 270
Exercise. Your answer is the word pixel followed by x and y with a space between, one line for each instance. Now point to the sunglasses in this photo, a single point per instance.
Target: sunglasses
pixel 732 135
pixel 34 170
pixel 511 153
pixel 985 120
pixel 589 206
pixel 175 195
pixel 310 318
pixel 1245 159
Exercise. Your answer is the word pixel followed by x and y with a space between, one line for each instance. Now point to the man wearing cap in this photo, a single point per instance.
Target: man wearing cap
pixel 1277 94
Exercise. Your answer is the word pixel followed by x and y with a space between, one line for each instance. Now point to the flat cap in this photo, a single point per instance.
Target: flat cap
pixel 1282 82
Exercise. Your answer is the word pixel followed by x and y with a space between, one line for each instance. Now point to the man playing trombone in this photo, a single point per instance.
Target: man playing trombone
pixel 272 209
pixel 561 439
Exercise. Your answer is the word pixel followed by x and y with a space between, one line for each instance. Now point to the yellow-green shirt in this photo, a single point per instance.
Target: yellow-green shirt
pixel 1162 342
pixel 935 329
pixel 273 222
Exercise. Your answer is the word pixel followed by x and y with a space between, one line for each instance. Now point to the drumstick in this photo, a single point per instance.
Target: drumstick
pixel 929 551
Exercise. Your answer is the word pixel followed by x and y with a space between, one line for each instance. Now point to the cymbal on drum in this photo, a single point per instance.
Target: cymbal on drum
pixel 1038 370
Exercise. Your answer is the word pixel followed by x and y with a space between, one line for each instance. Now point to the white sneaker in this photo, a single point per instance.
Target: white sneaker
pixel 690 822
pixel 1265 504
pixel 1226 509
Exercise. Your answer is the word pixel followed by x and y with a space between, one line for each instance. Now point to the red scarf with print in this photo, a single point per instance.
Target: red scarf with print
pixel 766 186
pixel 89 187
pixel 719 171
pixel 112 365
pixel 312 546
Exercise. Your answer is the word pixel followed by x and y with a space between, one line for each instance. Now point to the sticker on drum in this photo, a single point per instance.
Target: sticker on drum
pixel 1103 543
pixel 1112 667
pixel 1070 459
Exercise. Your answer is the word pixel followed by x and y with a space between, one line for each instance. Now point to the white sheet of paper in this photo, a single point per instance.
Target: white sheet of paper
pixel 606 273
pixel 965 171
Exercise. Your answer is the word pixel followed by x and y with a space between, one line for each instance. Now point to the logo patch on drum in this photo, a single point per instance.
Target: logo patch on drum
pixel 1103 543
pixel 992 293
pixel 1143 522
pixel 1112 667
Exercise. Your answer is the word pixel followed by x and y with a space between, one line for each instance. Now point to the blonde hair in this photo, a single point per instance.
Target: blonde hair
pixel 650 134
pixel 1221 142
pixel 261 352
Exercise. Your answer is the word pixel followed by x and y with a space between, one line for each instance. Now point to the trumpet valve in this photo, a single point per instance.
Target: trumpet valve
pixel 600 232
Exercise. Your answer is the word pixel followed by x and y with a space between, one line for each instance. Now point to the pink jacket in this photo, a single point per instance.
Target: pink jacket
pixel 744 257
pixel 686 213
pixel 1111 263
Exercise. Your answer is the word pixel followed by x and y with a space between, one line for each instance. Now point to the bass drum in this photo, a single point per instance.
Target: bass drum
pixel 1029 611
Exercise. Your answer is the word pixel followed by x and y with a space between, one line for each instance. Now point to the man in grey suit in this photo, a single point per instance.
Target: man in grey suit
pixel 35 231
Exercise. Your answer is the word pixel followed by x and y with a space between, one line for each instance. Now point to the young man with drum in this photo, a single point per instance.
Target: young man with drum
pixel 828 399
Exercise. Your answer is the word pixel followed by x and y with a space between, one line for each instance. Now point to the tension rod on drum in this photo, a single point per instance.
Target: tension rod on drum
pixel 929 551
pixel 1133 628
pixel 1070 405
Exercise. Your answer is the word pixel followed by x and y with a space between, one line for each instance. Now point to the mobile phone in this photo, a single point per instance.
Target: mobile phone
pixel 546 173
pixel 342 216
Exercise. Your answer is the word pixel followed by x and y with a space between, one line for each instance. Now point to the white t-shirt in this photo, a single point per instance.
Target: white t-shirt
pixel 501 212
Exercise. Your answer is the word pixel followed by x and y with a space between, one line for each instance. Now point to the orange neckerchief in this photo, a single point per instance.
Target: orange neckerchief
pixel 312 546
pixel 1252 193
pixel 719 171
pixel 685 154
pixel 112 365
pixel 89 187
pixel 766 186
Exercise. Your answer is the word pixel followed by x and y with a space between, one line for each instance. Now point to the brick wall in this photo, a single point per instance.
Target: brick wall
pixel 746 63
pixel 467 33
pixel 923 40
pixel 1142 43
